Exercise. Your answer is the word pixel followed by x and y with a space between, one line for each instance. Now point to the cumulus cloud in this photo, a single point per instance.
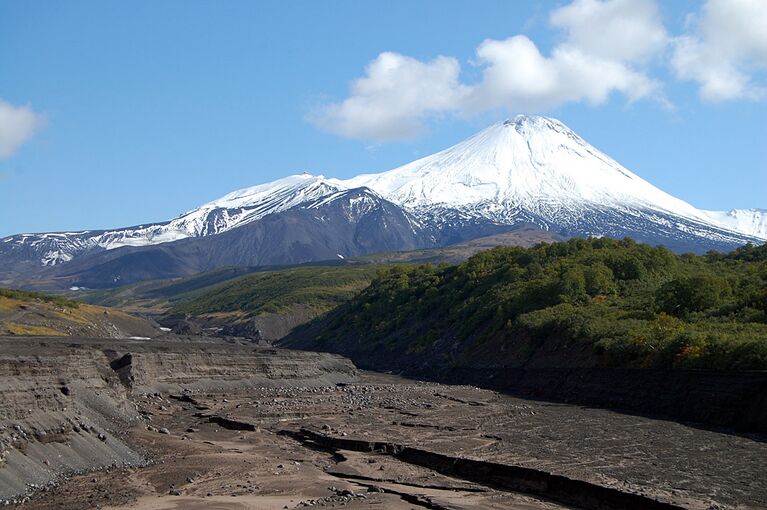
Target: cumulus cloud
pixel 398 93
pixel 393 98
pixel 17 125
pixel 605 48
pixel 622 30
pixel 726 50
pixel 518 77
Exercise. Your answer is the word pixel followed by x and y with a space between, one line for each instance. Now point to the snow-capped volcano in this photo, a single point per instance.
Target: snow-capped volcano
pixel 523 170
pixel 529 164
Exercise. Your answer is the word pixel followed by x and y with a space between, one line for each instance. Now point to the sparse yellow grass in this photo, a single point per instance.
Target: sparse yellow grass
pixel 41 317
pixel 75 316
pixel 27 330
pixel 87 315
pixel 8 305
pixel 223 315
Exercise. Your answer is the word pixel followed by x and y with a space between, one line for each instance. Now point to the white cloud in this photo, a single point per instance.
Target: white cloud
pixel 391 101
pixel 17 125
pixel 518 77
pixel 726 52
pixel 399 93
pixel 622 30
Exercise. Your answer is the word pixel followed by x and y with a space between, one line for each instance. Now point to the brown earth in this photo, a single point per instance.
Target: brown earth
pixel 68 403
pixel 387 442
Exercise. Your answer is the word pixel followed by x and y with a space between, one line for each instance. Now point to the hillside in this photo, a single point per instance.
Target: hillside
pixel 199 298
pixel 155 297
pixel 34 314
pixel 274 302
pixel 582 303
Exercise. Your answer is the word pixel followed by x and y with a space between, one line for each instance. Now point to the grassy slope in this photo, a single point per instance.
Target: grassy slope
pixel 35 314
pixel 315 288
pixel 159 296
pixel 583 302
pixel 241 300
pixel 27 297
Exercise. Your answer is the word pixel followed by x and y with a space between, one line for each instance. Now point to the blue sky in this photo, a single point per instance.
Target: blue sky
pixel 113 115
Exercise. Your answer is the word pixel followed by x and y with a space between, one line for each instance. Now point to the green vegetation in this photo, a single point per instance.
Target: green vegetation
pixel 316 288
pixel 160 295
pixel 23 295
pixel 633 304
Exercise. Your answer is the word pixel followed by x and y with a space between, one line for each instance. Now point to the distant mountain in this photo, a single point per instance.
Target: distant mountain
pixel 523 171
pixel 228 212
pixel 343 224
pixel 748 221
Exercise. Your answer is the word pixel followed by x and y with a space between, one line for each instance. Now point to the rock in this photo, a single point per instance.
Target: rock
pixel 164 431
pixel 185 327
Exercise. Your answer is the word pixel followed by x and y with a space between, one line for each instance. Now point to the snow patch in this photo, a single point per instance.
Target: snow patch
pixel 751 222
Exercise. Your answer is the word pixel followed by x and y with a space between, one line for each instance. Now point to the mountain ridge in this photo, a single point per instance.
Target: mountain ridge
pixel 525 170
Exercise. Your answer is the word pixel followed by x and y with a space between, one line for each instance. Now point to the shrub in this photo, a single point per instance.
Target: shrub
pixel 692 294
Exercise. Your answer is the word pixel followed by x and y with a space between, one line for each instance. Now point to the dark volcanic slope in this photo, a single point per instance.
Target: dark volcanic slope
pixel 338 226
pixel 346 224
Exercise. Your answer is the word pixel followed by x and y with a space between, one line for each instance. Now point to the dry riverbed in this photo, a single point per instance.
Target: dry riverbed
pixel 387 442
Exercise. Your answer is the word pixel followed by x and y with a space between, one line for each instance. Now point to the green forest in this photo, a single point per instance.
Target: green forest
pixel 635 305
